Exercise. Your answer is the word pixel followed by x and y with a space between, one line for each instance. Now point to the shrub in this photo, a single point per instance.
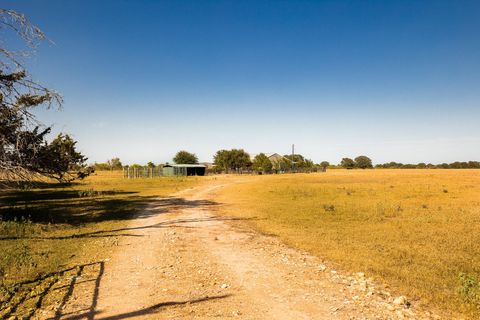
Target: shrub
pixel 329 207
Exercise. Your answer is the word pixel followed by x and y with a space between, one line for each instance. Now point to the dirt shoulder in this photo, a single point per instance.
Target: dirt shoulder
pixel 184 261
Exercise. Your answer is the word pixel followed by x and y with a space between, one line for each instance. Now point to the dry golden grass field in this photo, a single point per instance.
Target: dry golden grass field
pixel 46 230
pixel 415 230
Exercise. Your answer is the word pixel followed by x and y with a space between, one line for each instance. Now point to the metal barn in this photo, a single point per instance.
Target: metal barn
pixel 171 170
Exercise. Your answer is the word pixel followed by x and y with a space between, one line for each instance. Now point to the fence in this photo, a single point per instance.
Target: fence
pixel 149 172
pixel 142 172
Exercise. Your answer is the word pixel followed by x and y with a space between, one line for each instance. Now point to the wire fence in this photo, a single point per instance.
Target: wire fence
pixel 142 172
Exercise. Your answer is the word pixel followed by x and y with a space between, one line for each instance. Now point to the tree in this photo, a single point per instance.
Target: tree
pixel 185 157
pixel 60 160
pixel 324 165
pixel 261 163
pixel 24 150
pixel 150 164
pixel 421 165
pixel 232 160
pixel 221 159
pixel 114 164
pixel 474 164
pixel 282 165
pixel 299 161
pixel 347 163
pixel 363 162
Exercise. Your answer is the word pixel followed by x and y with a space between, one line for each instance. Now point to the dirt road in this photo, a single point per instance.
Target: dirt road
pixel 182 260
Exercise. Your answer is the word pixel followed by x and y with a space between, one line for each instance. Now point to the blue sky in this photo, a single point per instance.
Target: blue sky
pixel 394 80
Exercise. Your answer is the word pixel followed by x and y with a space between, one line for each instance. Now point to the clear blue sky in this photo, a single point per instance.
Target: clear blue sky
pixel 394 80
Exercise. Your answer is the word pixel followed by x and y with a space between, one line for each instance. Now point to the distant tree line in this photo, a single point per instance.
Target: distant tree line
pixel 453 165
pixel 181 157
pixel 364 162
pixel 238 160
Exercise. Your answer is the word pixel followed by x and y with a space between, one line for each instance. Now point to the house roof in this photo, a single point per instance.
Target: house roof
pixel 269 155
pixel 272 156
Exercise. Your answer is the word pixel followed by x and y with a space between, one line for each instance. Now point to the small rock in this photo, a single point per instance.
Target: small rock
pixel 400 300
pixel 224 286
pixel 322 267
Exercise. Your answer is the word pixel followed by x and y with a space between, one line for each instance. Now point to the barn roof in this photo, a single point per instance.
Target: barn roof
pixel 185 165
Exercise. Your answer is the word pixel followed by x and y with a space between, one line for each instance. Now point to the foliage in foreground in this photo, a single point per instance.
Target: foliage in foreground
pixel 24 149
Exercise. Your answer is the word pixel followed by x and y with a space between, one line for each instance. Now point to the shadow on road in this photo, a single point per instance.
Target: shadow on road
pixel 145 311
pixel 64 280
pixel 60 285
pixel 77 207
pixel 72 210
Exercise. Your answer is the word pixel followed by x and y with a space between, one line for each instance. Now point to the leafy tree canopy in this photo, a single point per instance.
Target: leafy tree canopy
pixel 150 164
pixel 300 162
pixel 232 160
pixel 185 157
pixel 363 162
pixel 283 164
pixel 324 164
pixel 347 163
pixel 114 164
pixel 262 163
